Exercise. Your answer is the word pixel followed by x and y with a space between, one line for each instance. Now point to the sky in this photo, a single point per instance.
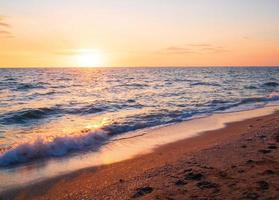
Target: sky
pixel 70 33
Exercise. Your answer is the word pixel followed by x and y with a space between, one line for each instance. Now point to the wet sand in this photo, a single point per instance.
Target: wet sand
pixel 240 161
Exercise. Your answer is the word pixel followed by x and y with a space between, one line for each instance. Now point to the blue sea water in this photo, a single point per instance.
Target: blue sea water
pixel 56 112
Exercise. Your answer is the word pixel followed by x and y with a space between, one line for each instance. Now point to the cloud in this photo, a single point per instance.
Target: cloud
pixel 245 38
pixel 216 49
pixel 5 32
pixel 194 48
pixel 200 45
pixel 4 24
pixel 4 28
pixel 178 50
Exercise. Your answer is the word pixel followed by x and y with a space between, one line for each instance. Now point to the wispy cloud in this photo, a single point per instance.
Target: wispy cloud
pixel 4 24
pixel 5 28
pixel 200 45
pixel 5 32
pixel 70 52
pixel 194 48
pixel 178 50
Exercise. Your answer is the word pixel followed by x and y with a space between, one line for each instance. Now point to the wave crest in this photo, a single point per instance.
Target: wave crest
pixel 57 147
pixel 270 98
pixel 26 115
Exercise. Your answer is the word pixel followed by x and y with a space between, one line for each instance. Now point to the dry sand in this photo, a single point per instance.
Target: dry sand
pixel 240 161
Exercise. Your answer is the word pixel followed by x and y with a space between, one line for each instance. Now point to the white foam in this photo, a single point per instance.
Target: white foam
pixel 59 146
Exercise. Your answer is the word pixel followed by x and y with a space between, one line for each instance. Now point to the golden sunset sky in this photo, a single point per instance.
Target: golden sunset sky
pixel 70 33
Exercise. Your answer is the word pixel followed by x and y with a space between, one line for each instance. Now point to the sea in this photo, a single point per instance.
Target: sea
pixel 48 113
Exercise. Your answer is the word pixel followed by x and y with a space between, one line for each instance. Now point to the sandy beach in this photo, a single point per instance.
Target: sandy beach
pixel 240 161
pixel 133 99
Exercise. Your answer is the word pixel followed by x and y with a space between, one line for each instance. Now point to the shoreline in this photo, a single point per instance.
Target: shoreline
pixel 113 176
pixel 127 146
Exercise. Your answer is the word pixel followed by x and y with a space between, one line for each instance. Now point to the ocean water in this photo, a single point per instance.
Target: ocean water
pixel 54 113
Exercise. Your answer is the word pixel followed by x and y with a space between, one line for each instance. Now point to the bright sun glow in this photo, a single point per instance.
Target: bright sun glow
pixel 89 59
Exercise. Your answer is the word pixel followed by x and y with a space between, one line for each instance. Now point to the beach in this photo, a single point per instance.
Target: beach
pixel 239 161
pixel 116 100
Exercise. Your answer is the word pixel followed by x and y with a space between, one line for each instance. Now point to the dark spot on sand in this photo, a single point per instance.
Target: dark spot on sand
pixel 232 184
pixel 223 174
pixel 194 176
pixel 250 161
pixel 243 146
pixel 142 191
pixel 262 136
pixel 157 197
pixel 121 180
pixel 206 167
pixel 264 151
pixel 268 172
pixel 272 147
pixel 180 183
pixel 206 185
pixel 187 170
pixel 263 185
pixel 271 198
pixel 251 195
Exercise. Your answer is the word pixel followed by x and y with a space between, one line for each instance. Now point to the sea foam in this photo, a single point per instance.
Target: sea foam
pixel 57 147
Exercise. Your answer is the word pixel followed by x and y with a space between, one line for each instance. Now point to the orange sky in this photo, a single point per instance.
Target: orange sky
pixel 139 33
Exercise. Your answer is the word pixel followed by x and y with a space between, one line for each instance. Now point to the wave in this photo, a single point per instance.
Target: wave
pixel 271 84
pixel 92 140
pixel 57 147
pixel 204 84
pixel 272 97
pixel 218 101
pixel 28 86
pixel 88 140
pixel 89 109
pixel 251 87
pixel 27 115
pixel 98 108
pixel 24 116
pixel 133 85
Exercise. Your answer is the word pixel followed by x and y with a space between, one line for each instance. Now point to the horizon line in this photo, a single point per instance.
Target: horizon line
pixel 153 66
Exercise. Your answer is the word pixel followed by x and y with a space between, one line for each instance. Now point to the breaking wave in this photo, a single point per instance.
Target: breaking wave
pixel 57 147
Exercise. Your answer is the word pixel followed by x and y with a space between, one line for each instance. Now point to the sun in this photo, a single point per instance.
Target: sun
pixel 89 58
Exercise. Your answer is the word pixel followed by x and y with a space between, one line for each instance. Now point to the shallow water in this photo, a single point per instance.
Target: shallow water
pixel 49 113
pixel 122 147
